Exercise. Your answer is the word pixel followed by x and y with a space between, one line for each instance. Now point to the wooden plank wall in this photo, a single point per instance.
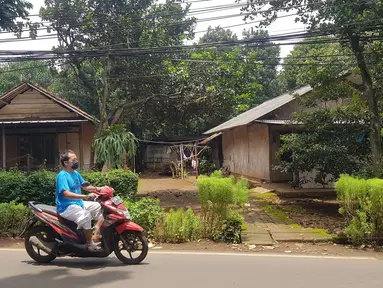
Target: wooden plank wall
pixel 246 151
pixel 33 105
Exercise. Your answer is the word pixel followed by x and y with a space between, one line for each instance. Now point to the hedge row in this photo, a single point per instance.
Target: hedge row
pixel 361 203
pixel 40 185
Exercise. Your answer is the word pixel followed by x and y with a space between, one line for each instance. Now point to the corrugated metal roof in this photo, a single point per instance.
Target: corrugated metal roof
pixel 42 121
pixel 276 122
pixel 260 110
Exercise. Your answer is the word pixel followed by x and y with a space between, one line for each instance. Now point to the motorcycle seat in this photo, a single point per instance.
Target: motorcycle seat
pixel 47 208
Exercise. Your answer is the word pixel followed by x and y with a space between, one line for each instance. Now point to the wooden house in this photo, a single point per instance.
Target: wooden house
pixel 251 140
pixel 36 126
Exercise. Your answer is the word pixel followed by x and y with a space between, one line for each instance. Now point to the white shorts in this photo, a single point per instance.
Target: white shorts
pixel 83 216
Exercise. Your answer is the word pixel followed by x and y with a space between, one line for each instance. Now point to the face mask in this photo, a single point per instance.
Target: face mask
pixel 75 165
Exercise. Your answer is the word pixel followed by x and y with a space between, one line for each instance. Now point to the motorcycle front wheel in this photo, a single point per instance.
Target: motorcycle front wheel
pixel 131 247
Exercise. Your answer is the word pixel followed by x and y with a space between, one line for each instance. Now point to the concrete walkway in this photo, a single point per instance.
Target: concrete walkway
pixel 268 225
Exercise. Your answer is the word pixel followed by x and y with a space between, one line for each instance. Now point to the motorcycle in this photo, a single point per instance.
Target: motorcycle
pixel 55 236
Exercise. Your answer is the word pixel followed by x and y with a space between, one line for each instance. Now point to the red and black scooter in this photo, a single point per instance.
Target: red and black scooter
pixel 55 236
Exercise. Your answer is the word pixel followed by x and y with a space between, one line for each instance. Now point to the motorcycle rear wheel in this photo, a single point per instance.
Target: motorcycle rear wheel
pixel 43 233
pixel 130 238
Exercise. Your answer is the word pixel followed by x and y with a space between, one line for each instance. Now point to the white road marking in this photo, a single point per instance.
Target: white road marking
pixel 233 254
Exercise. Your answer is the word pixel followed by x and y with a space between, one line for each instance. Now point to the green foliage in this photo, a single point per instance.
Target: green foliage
pixel 125 183
pixel 241 191
pixel 349 20
pixel 12 185
pixel 37 186
pixel 217 195
pixel 40 185
pixel 178 227
pixel 216 174
pixel 113 143
pixel 145 212
pixel 11 10
pixel 332 146
pixel 12 218
pixel 205 167
pixel 12 74
pixel 231 229
pixel 361 203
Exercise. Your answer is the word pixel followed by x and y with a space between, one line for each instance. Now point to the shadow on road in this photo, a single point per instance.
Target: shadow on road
pixel 63 278
pixel 83 264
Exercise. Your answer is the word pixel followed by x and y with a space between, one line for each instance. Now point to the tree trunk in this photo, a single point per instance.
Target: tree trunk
pixel 372 100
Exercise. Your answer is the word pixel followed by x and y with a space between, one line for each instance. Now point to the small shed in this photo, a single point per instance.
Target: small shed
pixel 251 140
pixel 37 125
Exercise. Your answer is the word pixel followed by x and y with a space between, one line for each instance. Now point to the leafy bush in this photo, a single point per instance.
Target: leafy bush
pixel 231 229
pixel 40 185
pixel 145 212
pixel 241 192
pixel 12 185
pixel 205 167
pixel 178 227
pixel 217 196
pixel 125 183
pixel 361 203
pixel 12 218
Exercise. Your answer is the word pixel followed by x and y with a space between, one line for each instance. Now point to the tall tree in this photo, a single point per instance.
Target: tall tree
pixel 104 31
pixel 353 22
pixel 37 72
pixel 10 11
pixel 217 34
pixel 334 115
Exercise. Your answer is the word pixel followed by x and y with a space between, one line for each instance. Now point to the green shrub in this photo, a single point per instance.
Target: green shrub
pixel 178 227
pixel 145 212
pixel 12 185
pixel 205 167
pixel 125 183
pixel 13 218
pixel 361 203
pixel 231 229
pixel 40 186
pixel 241 192
pixel 217 196
pixel 216 174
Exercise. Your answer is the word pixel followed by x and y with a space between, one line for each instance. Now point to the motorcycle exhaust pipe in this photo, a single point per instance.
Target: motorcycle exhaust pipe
pixel 46 247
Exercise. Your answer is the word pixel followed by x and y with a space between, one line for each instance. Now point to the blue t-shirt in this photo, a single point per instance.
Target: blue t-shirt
pixel 71 182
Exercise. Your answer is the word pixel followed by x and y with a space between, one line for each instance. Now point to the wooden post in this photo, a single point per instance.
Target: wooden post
pixel 81 146
pixel 182 160
pixel 196 161
pixel 4 150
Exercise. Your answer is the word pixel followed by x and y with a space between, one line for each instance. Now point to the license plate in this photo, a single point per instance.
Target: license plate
pixel 116 200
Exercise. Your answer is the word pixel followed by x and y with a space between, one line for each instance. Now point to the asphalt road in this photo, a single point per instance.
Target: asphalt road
pixel 162 269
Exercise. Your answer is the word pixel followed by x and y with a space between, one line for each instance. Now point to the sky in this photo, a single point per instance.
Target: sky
pixel 280 26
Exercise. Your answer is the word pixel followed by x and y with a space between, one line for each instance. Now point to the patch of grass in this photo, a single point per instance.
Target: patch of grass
pixel 294 209
pixel 320 231
pixel 265 196
pixel 278 215
pixel 296 226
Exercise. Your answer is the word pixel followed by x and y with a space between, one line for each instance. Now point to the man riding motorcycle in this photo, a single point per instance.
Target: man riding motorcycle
pixel 69 200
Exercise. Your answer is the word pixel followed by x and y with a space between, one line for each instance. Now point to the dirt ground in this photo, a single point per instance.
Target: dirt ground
pixel 152 183
pixel 312 213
